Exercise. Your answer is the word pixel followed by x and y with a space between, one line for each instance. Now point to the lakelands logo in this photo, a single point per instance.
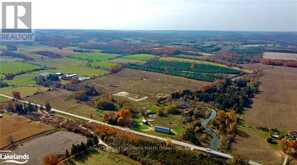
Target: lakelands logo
pixel 16 21
pixel 10 157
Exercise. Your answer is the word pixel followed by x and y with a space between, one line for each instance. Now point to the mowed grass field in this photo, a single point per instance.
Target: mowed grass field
pixel 275 106
pixel 144 83
pixel 17 128
pixel 24 83
pixel 14 67
pixel 26 79
pixel 101 157
pixel 24 90
pixel 68 65
pixel 254 147
pixel 64 100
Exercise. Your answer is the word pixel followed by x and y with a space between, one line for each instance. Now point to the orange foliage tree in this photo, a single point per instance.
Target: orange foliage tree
pixel 16 95
pixel 124 117
pixel 289 146
pixel 103 130
pixel 51 159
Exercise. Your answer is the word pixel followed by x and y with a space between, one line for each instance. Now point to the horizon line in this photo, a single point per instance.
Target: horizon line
pixel 169 30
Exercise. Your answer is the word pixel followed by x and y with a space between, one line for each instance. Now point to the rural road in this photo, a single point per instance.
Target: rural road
pixel 176 142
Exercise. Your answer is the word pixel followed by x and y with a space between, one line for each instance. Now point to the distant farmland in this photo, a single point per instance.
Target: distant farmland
pixel 137 57
pixel 280 59
pixel 15 67
pixel 280 56
pixel 275 106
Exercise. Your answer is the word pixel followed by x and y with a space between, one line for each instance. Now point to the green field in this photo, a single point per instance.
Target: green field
pixel 101 157
pixel 198 70
pixel 136 58
pixel 175 122
pixel 93 57
pixel 139 57
pixel 15 67
pixel 26 79
pixel 64 100
pixel 25 91
pixel 68 65
pixel 175 59
pixel 3 99
pixel 102 65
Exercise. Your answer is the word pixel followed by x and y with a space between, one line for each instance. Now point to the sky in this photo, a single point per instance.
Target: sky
pixel 225 15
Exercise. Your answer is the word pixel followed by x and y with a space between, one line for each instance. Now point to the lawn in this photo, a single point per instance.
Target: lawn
pixel 139 125
pixel 101 157
pixel 175 122
pixel 15 67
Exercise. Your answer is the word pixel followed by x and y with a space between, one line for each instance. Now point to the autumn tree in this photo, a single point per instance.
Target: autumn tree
pixel 289 146
pixel 124 117
pixel 51 159
pixel 226 121
pixel 16 94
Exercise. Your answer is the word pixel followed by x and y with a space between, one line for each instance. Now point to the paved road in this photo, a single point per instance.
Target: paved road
pixel 176 142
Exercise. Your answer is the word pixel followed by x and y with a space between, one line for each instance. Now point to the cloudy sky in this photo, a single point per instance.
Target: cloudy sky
pixel 251 15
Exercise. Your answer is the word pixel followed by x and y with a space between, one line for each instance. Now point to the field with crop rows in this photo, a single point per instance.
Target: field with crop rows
pixel 198 71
